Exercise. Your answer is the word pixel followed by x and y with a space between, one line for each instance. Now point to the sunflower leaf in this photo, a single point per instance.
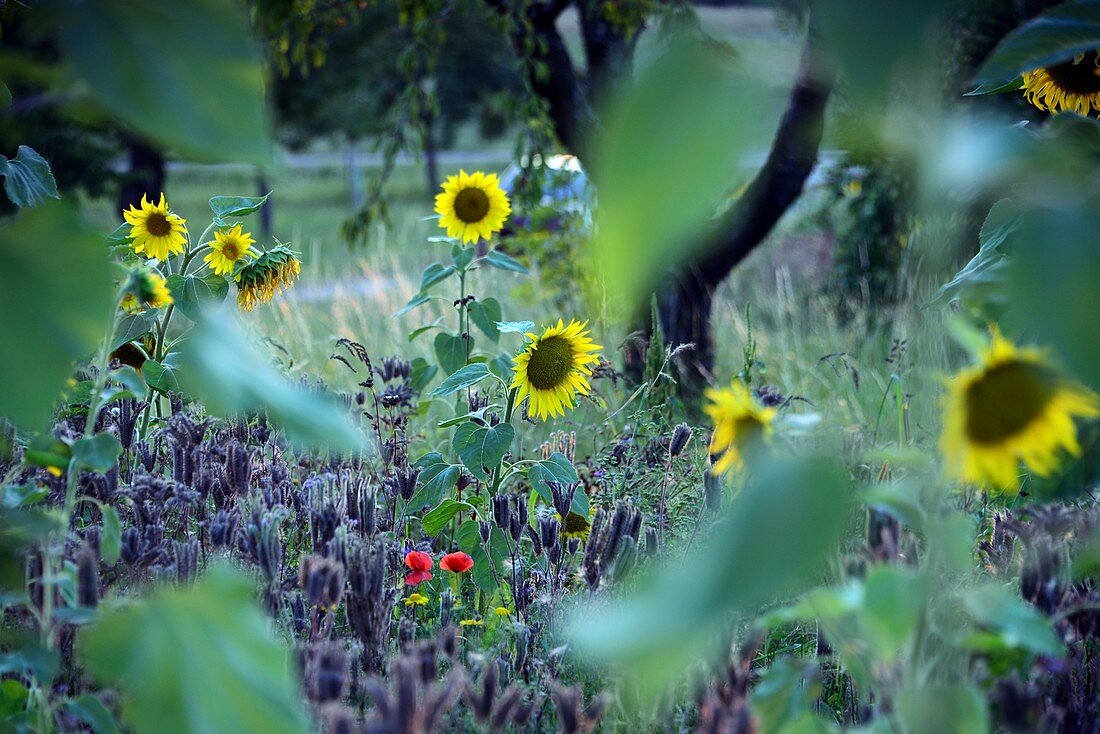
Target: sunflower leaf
pixel 515 327
pixel 482 448
pixel 469 375
pixel 133 326
pixel 99 452
pixel 163 375
pixel 28 180
pixel 194 295
pixel 434 482
pixel 486 313
pixel 500 261
pixel 237 206
pixel 1054 37
pixel 439 516
pixel 433 274
pixel 451 351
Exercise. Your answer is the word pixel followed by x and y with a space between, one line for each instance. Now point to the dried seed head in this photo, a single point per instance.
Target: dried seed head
pixel 680 437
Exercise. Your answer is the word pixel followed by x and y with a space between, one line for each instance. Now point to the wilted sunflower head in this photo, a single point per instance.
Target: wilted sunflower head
pixel 270 273
pixel 739 424
pixel 553 368
pixel 145 289
pixel 155 230
pixel 1012 407
pixel 472 206
pixel 1072 86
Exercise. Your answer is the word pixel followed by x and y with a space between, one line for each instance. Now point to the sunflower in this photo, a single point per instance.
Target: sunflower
pixel 739 422
pixel 155 230
pixel 146 289
pixel 1012 407
pixel 553 368
pixel 575 525
pixel 1073 86
pixel 228 248
pixel 472 206
pixel 270 273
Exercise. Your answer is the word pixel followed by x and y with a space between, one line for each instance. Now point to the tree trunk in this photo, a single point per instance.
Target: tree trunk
pixel 145 177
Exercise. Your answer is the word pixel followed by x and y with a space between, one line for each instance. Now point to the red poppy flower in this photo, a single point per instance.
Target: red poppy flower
pixel 420 563
pixel 458 562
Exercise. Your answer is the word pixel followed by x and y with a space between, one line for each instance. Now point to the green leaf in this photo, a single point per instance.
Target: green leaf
pixel 657 206
pixel 481 448
pixel 163 375
pixel 32 659
pixel 451 352
pixel 418 300
pixel 236 206
pixel 558 469
pixel 27 178
pixel 986 275
pixel 996 88
pixel 469 375
pixel 959 709
pixel 486 313
pixel 13 698
pixel 197 659
pixel 772 543
pixel 500 261
pixel 47 451
pixel 438 518
pixel 194 295
pixel 91 711
pixel 785 693
pixel 501 366
pixel 486 567
pixel 517 327
pixel 433 274
pixel 231 377
pixel 110 545
pixel 422 373
pixel 1051 38
pixel 893 601
pixel 1014 620
pixel 53 314
pixel 133 326
pixel 203 97
pixel 433 484
pixel 16 495
pixel 131 380
pixel 99 452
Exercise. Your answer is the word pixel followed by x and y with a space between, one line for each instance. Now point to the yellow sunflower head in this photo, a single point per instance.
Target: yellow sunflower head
pixel 472 206
pixel 739 424
pixel 154 230
pixel 270 273
pixel 553 368
pixel 229 248
pixel 146 289
pixel 1073 86
pixel 575 525
pixel 1011 407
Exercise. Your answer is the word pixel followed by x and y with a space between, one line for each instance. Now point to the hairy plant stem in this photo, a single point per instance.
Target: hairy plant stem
pixel 498 474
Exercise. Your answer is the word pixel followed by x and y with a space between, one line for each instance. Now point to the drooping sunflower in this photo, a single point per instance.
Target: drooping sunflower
pixel 739 423
pixel 1072 86
pixel 270 273
pixel 472 206
pixel 575 525
pixel 146 289
pixel 229 248
pixel 1013 406
pixel 553 368
pixel 155 230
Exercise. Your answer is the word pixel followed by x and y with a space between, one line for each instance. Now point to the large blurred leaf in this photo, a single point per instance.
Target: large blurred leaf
pixel 230 376
pixel 981 282
pixel 671 149
pixel 28 180
pixel 774 539
pixel 786 692
pixel 1053 37
pixel 1017 622
pixel 872 42
pixel 55 297
pixel 1054 275
pixel 959 709
pixel 186 74
pixel 197 660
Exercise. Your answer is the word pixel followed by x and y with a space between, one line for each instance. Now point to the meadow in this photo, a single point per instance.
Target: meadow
pixel 463 475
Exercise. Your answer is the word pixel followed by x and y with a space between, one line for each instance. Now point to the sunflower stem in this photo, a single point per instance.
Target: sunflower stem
pixel 498 473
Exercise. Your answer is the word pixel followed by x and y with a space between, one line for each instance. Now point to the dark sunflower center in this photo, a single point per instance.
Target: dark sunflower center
pixel 1077 78
pixel 471 205
pixel 1004 401
pixel 230 251
pixel 158 225
pixel 748 429
pixel 575 523
pixel 550 363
